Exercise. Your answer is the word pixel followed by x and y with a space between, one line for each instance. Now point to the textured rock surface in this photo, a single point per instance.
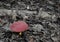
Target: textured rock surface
pixel 42 16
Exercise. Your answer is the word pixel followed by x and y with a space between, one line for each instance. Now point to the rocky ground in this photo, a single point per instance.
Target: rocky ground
pixel 42 16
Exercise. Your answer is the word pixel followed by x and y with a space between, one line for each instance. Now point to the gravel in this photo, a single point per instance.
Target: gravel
pixel 42 16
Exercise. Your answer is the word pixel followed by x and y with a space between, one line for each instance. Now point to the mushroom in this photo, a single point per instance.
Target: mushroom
pixel 19 26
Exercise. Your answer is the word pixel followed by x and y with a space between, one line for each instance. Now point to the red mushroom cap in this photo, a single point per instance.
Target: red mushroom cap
pixel 19 26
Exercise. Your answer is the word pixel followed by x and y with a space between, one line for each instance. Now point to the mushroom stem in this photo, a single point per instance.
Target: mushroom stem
pixel 20 33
